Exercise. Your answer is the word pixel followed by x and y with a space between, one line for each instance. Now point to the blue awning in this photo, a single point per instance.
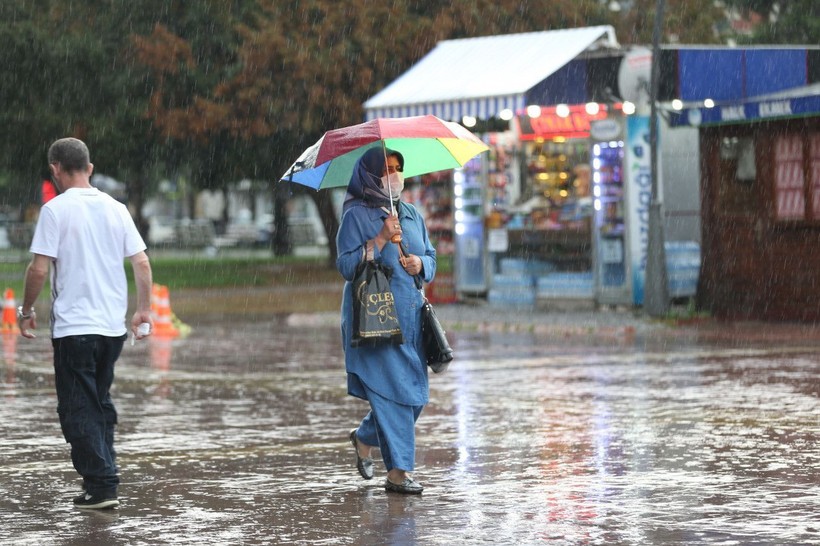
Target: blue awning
pixel 793 103
pixel 480 77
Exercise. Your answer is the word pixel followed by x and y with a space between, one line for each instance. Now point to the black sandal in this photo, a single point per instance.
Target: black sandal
pixel 364 465
pixel 408 487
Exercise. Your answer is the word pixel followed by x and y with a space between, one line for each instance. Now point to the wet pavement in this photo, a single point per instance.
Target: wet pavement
pixel 563 428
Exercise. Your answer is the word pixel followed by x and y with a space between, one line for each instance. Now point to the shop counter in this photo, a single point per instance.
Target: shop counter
pixel 569 249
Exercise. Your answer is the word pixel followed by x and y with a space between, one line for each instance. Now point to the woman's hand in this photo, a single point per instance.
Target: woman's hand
pixel 412 264
pixel 390 229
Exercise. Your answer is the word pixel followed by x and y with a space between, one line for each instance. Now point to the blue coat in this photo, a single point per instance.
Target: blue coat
pixel 396 372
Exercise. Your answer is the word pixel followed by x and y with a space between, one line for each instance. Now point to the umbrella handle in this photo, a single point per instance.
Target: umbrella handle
pixel 395 238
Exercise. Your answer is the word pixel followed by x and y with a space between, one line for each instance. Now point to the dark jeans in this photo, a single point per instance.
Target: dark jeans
pixel 84 371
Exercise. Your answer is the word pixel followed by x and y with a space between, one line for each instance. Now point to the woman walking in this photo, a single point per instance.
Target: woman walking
pixel 392 378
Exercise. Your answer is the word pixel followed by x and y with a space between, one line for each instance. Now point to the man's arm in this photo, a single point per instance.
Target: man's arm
pixel 36 273
pixel 143 279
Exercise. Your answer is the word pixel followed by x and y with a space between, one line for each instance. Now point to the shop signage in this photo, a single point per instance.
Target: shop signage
pixel 606 129
pixel 498 240
pixel 551 125
pixel 750 111
pixel 639 196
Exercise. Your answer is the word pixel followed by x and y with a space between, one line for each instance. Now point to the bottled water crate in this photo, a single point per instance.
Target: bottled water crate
pixel 682 268
pixel 510 298
pixel 566 286
pixel 512 290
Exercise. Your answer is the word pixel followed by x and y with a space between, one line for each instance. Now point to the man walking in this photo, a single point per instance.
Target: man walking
pixel 84 236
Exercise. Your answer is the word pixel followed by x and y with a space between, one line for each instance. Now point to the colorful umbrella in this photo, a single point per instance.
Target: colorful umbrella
pixel 427 143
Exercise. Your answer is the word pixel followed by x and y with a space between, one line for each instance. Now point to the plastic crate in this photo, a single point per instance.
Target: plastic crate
pixel 515 298
pixel 682 268
pixel 566 285
pixel 508 280
pixel 521 266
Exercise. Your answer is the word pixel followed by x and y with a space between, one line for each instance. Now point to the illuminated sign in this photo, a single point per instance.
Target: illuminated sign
pixel 550 125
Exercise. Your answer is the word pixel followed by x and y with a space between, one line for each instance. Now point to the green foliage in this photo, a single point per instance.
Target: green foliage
pixel 227 89
pixel 782 22
pixel 685 21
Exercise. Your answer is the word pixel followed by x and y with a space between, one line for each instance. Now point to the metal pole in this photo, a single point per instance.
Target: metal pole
pixel 656 296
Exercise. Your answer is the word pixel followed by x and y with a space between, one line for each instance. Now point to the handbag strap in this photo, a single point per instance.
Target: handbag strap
pixel 416 278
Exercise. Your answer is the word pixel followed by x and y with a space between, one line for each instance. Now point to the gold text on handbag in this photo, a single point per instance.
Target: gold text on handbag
pixel 378 304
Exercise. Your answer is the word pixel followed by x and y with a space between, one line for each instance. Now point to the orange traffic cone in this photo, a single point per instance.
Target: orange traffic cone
pixel 163 325
pixel 9 312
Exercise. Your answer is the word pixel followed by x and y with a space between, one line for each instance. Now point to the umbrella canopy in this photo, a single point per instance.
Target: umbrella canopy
pixel 427 143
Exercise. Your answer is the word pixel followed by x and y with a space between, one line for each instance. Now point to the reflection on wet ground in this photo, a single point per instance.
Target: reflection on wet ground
pixel 238 434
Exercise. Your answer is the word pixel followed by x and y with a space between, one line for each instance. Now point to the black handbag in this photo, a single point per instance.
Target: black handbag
pixel 437 349
pixel 374 310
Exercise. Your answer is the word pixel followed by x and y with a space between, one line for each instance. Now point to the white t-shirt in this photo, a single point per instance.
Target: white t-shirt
pixel 88 235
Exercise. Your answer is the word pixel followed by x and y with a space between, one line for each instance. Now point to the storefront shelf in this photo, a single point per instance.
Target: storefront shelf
pixel 564 249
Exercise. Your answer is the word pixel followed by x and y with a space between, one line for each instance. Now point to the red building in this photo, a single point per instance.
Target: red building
pixel 760 188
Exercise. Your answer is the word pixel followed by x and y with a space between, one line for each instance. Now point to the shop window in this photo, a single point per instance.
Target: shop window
pixel 558 193
pixel 789 189
pixel 738 173
pixel 797 177
pixel 814 166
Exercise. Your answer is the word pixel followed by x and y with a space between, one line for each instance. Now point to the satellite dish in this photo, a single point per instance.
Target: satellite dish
pixel 634 75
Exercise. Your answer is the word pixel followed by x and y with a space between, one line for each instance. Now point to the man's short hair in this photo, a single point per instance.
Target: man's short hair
pixel 71 153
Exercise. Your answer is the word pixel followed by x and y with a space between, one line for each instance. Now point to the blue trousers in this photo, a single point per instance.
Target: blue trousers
pixel 392 427
pixel 84 372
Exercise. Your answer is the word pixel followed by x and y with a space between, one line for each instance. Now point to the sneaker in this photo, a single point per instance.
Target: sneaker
pixel 95 502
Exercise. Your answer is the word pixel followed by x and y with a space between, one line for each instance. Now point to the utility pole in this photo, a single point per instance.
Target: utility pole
pixel 656 294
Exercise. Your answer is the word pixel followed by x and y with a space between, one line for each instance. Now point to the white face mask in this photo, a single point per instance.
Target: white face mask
pixel 396 183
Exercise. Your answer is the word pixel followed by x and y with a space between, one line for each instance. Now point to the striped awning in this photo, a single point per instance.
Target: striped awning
pixel 480 77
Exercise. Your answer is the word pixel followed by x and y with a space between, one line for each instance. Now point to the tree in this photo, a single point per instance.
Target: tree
pixel 685 21
pixel 307 66
pixel 45 95
pixel 229 89
pixel 782 22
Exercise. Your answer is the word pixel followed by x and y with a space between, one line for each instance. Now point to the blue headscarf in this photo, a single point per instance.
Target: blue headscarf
pixel 365 185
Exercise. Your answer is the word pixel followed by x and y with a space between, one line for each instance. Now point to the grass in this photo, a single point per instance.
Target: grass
pixel 185 273
pixel 686 313
pixel 250 283
pixel 235 284
pixel 249 286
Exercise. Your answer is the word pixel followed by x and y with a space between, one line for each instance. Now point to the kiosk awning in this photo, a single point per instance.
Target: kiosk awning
pixel 793 103
pixel 480 77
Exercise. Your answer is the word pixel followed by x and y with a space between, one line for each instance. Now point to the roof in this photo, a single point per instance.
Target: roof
pixel 482 76
pixel 798 102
